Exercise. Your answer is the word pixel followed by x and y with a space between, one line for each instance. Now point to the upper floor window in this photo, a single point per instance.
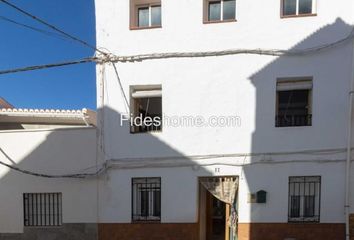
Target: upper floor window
pixel 293 104
pixel 146 108
pixel 145 14
pixel 219 11
pixel 304 199
pixel 292 8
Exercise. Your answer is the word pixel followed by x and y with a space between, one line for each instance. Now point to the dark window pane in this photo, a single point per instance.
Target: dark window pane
pixel 305 6
pixel 229 11
pixel 144 203
pixel 149 108
pixel 289 7
pixel 143 17
pixel 157 203
pixel 295 206
pixel 293 108
pixel 309 206
pixel 156 16
pixel 214 11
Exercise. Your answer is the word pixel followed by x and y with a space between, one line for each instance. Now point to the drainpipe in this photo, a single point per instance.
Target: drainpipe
pixel 349 150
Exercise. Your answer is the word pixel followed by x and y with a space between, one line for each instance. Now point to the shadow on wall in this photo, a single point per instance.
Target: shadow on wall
pixel 52 152
pixel 70 151
pixel 329 72
pixel 145 155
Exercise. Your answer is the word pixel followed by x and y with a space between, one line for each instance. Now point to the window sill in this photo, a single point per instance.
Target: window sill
pixel 290 127
pixel 43 227
pixel 146 221
pixel 144 28
pixel 220 21
pixel 303 222
pixel 299 15
pixel 146 132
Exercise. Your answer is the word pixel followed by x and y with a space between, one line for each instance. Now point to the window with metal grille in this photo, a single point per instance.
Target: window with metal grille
pixel 294 102
pixel 304 199
pixel 146 199
pixel 42 209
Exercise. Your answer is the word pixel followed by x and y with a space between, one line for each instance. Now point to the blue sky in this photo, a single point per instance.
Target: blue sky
pixel 70 87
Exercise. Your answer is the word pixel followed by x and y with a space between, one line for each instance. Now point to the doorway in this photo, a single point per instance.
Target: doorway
pixel 214 216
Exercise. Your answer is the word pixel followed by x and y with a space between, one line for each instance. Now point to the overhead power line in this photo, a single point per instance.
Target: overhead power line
pixel 49 33
pixel 256 51
pixel 52 65
pixel 44 175
pixel 74 38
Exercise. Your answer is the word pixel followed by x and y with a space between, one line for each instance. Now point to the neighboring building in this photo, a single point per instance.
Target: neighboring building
pixel 5 104
pixel 286 153
pixel 38 150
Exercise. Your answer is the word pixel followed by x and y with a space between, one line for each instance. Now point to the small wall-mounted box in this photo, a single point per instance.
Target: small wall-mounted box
pixel 258 197
pixel 261 196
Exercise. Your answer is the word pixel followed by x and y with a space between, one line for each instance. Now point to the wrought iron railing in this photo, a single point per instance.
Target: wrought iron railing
pixel 293 120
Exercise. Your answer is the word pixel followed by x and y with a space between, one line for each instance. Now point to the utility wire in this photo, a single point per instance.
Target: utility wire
pixel 52 27
pixel 49 33
pixel 52 65
pixel 36 174
pixel 121 86
pixel 256 51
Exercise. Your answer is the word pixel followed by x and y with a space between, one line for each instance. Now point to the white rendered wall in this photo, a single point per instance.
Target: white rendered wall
pixel 179 192
pixel 242 85
pixel 53 152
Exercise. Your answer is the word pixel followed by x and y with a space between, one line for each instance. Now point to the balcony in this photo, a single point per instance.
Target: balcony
pixel 293 120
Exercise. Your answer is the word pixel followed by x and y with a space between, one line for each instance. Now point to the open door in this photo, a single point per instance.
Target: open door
pixel 215 214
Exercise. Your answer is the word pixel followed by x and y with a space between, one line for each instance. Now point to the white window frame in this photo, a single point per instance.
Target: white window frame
pixel 150 6
pixel 314 7
pixel 221 9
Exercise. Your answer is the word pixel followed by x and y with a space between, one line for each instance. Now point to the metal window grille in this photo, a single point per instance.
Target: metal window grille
pixel 146 199
pixel 42 209
pixel 293 108
pixel 304 199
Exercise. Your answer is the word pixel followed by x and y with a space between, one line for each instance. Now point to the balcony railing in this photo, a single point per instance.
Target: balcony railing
pixel 293 120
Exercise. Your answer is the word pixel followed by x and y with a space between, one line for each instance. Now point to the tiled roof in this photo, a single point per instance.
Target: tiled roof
pixel 5 104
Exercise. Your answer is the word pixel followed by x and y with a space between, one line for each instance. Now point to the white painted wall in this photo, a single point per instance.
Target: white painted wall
pixel 61 151
pixel 242 85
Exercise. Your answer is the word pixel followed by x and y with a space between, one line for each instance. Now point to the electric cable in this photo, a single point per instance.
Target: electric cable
pixel 74 38
pixel 48 33
pixel 52 65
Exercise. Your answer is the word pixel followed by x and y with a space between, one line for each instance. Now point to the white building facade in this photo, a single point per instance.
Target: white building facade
pixel 271 122
pixel 41 153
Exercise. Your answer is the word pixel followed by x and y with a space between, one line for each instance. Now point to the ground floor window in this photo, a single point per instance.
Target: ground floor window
pixel 304 199
pixel 42 209
pixel 146 199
